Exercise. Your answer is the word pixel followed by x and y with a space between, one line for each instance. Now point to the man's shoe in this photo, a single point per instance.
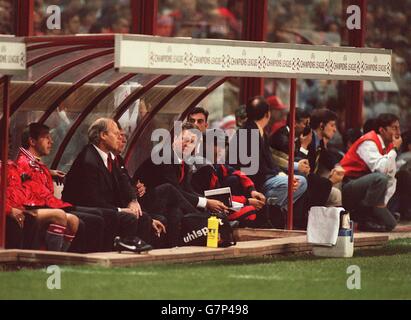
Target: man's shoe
pixel 234 224
pixel 131 244
pixel 397 216
pixel 371 227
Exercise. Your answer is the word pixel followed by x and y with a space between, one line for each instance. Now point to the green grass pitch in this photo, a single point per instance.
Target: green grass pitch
pixel 385 274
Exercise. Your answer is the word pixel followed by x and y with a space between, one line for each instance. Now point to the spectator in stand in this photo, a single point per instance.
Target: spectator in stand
pixel 70 22
pixel 278 111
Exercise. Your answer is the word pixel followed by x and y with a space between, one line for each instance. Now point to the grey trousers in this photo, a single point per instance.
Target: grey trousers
pixel 365 193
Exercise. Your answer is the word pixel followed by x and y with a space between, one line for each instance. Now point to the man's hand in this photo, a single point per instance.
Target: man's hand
pixel 258 195
pixel 296 184
pixel 258 204
pixel 158 227
pixel 216 206
pixel 305 141
pixel 336 175
pixel 18 215
pixel 135 207
pixel 141 189
pixel 304 166
pixel 397 141
pixel 58 176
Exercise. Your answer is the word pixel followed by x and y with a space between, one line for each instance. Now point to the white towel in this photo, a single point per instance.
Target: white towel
pixel 323 225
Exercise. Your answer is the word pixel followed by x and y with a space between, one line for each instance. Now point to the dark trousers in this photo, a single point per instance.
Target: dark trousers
pixel 22 238
pixel 360 196
pixel 318 190
pixel 403 192
pixel 121 224
pixel 89 236
pixel 167 201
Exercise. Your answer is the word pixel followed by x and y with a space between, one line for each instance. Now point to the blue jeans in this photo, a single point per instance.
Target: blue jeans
pixel 278 187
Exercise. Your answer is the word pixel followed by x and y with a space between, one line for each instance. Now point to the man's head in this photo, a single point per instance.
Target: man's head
pixel 105 134
pixel 324 123
pixel 199 117
pixel 122 140
pixel 215 140
pixel 406 138
pixel 302 119
pixel 388 126
pixel 240 115
pixel 36 138
pixel 258 110
pixel 185 143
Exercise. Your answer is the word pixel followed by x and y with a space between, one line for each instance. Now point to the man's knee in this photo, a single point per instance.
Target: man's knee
pixel 302 183
pixel 379 180
pixel 335 198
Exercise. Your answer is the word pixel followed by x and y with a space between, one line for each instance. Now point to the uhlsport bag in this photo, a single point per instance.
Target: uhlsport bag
pixel 194 230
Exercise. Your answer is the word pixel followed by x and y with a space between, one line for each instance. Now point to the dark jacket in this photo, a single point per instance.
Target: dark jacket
pixel 153 175
pixel 89 183
pixel 267 167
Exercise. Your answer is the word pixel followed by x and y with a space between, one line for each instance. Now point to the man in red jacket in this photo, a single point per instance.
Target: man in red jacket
pixel 370 168
pixel 22 223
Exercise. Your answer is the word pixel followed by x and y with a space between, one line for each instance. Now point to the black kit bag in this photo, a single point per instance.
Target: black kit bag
pixel 194 229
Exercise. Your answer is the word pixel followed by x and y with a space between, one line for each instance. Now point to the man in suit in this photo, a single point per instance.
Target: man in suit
pixel 279 139
pixel 169 183
pixel 94 180
pixel 178 172
pixel 324 173
pixel 269 178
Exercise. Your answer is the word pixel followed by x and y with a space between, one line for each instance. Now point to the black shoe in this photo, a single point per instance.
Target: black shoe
pixel 234 224
pixel 133 244
pixel 371 227
pixel 397 216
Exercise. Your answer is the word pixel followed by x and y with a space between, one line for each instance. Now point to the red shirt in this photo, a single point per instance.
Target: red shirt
pixel 17 196
pixel 39 181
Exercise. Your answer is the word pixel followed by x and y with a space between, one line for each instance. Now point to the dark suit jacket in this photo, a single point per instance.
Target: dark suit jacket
pixel 328 158
pixel 267 167
pixel 279 141
pixel 126 182
pixel 153 175
pixel 89 183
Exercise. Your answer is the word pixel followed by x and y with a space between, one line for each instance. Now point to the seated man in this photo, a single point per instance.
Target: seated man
pixel 269 178
pixel 94 181
pixel 324 175
pixel 217 174
pixel 36 143
pixel 22 224
pixel 370 167
pixel 178 172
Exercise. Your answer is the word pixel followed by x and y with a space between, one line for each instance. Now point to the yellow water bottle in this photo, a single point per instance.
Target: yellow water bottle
pixel 212 235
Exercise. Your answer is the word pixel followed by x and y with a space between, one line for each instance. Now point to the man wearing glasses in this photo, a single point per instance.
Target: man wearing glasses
pixel 370 168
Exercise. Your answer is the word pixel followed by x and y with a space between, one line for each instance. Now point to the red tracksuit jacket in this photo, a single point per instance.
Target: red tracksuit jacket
pixel 39 181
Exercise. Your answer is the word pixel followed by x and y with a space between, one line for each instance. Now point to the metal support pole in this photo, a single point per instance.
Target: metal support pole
pixel 254 29
pixel 291 147
pixel 5 155
pixel 144 16
pixel 354 90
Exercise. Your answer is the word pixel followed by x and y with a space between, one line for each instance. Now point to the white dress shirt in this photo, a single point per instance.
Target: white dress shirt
pixel 376 162
pixel 103 155
pixel 202 202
